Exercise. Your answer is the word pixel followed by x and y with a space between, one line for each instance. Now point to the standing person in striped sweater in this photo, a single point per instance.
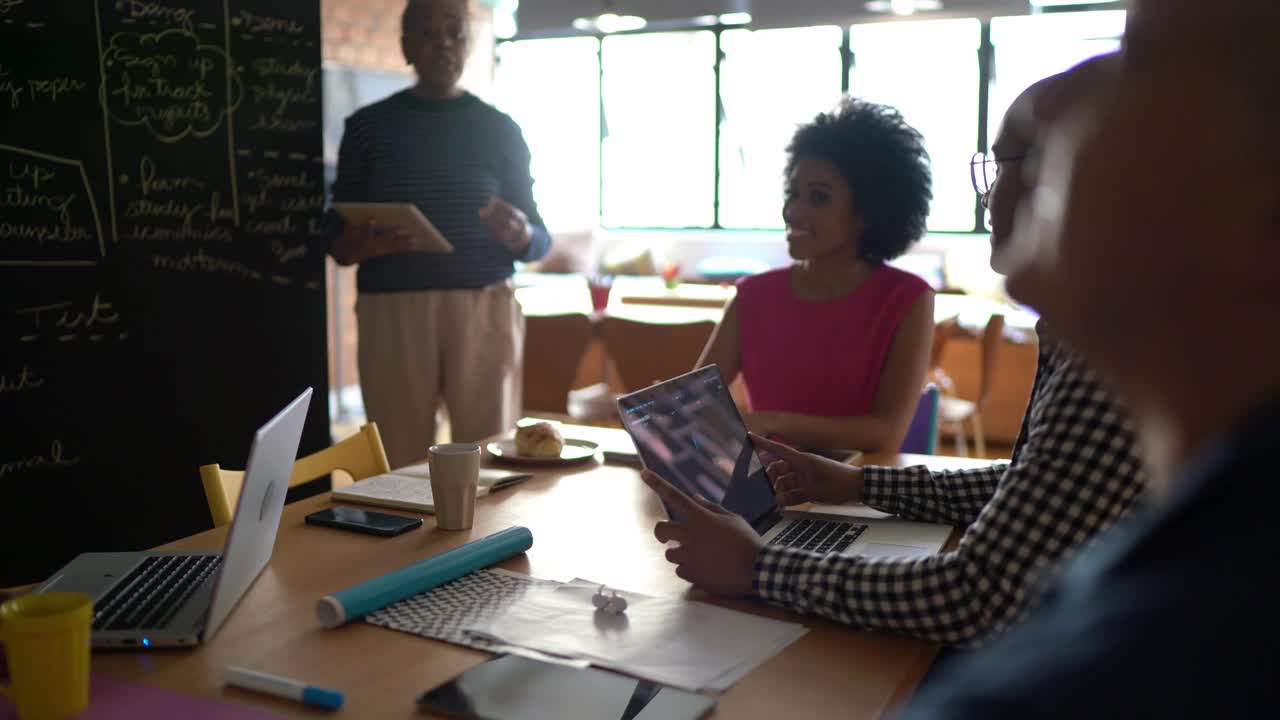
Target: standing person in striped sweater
pixel 438 327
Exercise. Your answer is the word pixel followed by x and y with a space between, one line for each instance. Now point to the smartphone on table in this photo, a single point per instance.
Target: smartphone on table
pixel 365 521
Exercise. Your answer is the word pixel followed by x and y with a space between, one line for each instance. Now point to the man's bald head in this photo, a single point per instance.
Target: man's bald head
pixel 417 12
pixel 1018 145
pixel 1236 41
pixel 1167 175
pixel 435 38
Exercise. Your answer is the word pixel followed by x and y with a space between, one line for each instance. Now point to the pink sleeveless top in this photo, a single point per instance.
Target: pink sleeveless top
pixel 819 358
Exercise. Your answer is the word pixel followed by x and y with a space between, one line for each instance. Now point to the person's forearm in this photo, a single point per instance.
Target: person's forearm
pixel 952 497
pixel 951 599
pixel 355 250
pixel 346 251
pixel 539 243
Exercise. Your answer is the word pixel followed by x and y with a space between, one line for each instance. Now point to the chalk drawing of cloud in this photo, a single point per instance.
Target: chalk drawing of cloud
pixel 169 83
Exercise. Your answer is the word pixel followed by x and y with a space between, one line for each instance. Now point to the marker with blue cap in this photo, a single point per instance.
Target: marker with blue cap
pixel 285 688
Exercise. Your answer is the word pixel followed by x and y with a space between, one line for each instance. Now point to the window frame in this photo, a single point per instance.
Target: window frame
pixel 984 57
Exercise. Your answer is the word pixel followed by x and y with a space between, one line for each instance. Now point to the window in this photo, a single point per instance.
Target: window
pixel 623 129
pixel 533 77
pixel 929 71
pixel 770 82
pixel 659 131
pixel 1033 47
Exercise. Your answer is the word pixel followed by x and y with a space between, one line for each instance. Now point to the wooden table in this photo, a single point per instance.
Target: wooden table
pixel 592 521
pixel 649 300
pixel 634 298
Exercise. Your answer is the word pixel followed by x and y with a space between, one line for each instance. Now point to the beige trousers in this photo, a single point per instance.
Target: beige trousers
pixel 459 347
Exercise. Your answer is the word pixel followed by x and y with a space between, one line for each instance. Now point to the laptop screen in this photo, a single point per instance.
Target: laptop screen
pixel 252 534
pixel 688 430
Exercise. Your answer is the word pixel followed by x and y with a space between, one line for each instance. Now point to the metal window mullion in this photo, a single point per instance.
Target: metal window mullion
pixel 715 109
pixel 600 124
pixel 846 58
pixel 986 73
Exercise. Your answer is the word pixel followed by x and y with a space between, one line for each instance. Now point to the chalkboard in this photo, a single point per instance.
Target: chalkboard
pixel 161 283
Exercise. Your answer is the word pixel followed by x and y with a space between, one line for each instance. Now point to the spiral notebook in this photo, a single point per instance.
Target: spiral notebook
pixel 409 488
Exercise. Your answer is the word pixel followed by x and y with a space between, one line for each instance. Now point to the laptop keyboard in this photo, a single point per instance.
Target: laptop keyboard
pixel 821 536
pixel 150 595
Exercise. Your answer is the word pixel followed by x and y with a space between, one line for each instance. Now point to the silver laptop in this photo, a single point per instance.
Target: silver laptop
pixel 170 599
pixel 688 430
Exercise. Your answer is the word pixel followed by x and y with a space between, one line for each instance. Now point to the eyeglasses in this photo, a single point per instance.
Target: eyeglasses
pixel 984 169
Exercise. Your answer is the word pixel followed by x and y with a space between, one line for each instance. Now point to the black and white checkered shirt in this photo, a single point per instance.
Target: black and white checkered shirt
pixel 1075 470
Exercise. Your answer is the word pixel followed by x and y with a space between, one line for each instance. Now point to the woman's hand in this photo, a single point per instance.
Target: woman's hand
pixel 717 549
pixel 800 477
pixel 508 225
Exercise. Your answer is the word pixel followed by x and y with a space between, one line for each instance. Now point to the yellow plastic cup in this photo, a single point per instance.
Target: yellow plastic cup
pixel 45 640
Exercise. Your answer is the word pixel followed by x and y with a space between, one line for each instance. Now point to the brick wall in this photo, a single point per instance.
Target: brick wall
pixel 366 33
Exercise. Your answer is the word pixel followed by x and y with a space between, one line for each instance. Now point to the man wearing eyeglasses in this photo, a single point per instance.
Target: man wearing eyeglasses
pixel 1154 254
pixel 1075 470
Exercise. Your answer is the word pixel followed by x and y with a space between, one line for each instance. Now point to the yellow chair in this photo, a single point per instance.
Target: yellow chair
pixel 359 456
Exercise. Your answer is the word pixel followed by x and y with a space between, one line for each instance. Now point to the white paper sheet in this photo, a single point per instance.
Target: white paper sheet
pixel 689 645
pixel 409 488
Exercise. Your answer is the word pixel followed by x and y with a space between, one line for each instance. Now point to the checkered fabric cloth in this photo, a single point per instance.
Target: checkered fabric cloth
pixel 442 612
pixel 1075 470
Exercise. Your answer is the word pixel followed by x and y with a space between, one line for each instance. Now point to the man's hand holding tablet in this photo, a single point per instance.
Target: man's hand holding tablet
pixel 377 229
pixel 717 549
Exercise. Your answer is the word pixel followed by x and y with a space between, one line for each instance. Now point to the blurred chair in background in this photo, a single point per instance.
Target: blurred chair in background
pixel 957 412
pixel 642 353
pixel 553 349
pixel 922 433
pixel 943 331
pixel 646 353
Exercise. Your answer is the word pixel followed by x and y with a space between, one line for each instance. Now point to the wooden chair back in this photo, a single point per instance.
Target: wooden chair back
pixel 646 353
pixel 992 338
pixel 553 349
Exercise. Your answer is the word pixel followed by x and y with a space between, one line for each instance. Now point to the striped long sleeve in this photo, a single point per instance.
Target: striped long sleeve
pixel 447 157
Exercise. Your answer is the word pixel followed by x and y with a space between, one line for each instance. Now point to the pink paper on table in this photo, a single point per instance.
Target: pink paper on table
pixel 113 699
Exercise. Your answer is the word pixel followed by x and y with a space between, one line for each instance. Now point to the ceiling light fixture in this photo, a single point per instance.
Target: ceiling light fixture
pixel 903 7
pixel 609 22
pixel 1063 3
pixel 727 19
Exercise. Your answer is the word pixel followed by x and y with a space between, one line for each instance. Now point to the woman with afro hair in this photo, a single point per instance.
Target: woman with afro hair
pixel 833 348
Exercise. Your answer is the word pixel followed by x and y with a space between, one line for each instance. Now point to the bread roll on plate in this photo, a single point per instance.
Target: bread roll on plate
pixel 541 440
